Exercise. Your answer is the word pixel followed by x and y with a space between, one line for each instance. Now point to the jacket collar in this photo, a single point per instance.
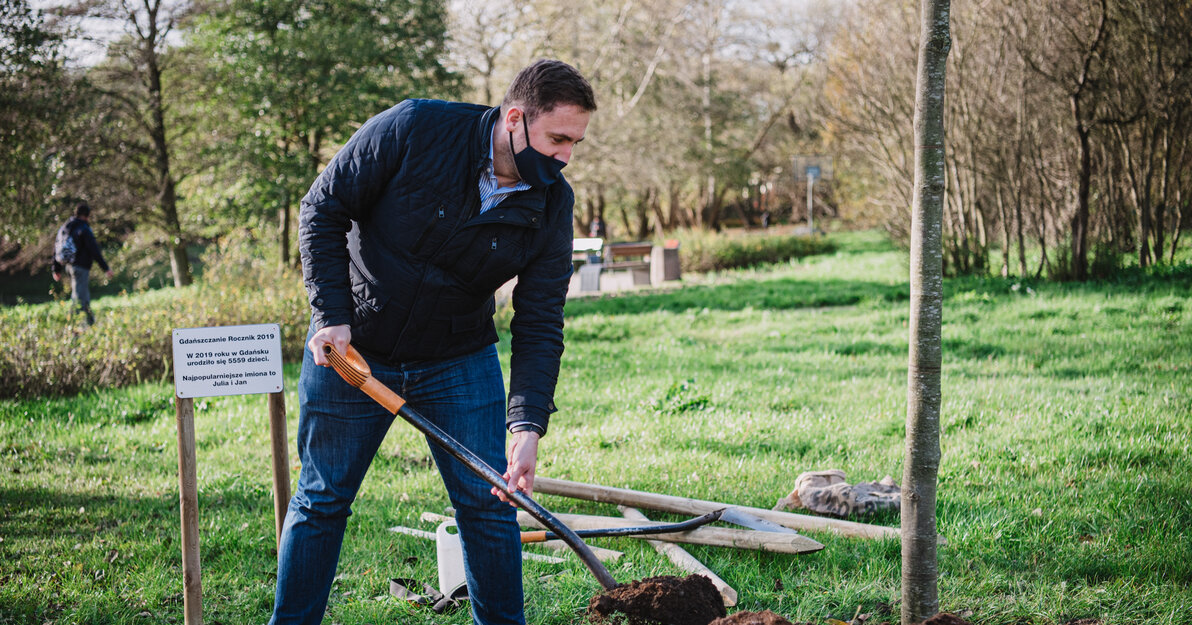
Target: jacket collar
pixel 532 199
pixel 483 142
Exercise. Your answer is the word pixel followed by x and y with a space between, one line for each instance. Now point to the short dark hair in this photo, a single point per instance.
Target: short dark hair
pixel 82 210
pixel 547 83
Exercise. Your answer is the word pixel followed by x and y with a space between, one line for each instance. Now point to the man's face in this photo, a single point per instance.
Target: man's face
pixel 554 134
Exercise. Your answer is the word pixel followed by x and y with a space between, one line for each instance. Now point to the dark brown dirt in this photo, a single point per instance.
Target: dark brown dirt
pixel 668 600
pixel 945 619
pixel 765 617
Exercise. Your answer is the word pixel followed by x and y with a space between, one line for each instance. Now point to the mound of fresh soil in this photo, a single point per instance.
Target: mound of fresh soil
pixel 944 618
pixel 668 600
pixel 765 617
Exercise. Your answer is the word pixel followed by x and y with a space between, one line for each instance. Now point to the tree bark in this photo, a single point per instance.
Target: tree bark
pixel 1080 219
pixel 1005 219
pixel 920 569
pixel 167 198
pixel 283 230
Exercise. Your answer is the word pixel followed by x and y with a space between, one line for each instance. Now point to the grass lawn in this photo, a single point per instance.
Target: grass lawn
pixel 1065 484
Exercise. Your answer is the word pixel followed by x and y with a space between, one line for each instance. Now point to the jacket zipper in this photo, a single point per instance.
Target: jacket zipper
pixel 427 232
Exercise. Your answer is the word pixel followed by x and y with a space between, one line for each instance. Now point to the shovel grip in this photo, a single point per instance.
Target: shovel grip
pixel 533 537
pixel 383 395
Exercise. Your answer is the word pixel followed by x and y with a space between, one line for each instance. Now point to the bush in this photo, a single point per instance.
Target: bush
pixel 49 350
pixel 702 251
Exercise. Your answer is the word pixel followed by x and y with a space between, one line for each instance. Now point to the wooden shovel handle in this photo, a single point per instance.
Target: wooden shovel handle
pixel 355 371
pixel 533 537
pixel 383 395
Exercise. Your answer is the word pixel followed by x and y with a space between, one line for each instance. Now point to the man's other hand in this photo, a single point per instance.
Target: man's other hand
pixel 523 459
pixel 337 336
pixel 57 276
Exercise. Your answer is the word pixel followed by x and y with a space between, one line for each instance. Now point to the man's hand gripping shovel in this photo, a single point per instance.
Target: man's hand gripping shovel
pixel 355 371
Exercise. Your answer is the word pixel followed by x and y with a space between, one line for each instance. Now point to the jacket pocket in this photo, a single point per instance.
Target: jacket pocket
pixel 435 218
pixel 368 314
pixel 463 324
pixel 490 258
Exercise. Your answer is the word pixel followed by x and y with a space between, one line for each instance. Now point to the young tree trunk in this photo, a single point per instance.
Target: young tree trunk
pixel 1178 208
pixel 642 213
pixel 284 228
pixel 179 262
pixel 1161 205
pixel 167 198
pixel 1177 202
pixel 1019 175
pixel 1080 218
pixel 920 569
pixel 1005 219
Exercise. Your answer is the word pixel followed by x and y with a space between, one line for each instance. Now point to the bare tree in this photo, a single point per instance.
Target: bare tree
pixel 133 79
pixel 920 569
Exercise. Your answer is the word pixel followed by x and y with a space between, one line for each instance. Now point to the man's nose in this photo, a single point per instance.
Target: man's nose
pixel 564 153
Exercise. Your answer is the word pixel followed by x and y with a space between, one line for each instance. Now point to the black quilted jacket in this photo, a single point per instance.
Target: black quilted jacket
pixel 393 244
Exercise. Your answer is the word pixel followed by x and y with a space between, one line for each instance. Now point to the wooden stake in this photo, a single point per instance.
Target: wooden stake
pixel 602 554
pixel 685 561
pixel 695 507
pixel 188 495
pixel 281 460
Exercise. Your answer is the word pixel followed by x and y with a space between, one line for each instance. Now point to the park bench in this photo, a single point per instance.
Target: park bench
pixel 616 266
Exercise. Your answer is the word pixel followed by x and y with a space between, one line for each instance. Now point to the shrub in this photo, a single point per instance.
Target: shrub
pixel 49 350
pixel 702 251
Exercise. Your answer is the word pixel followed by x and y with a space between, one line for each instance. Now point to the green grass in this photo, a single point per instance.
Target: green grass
pixel 1064 486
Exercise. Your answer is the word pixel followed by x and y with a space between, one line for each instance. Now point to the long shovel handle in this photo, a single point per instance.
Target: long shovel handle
pixel 360 377
pixel 661 528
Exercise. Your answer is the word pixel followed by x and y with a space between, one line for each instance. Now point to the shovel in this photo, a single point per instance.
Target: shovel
pixel 542 536
pixel 355 371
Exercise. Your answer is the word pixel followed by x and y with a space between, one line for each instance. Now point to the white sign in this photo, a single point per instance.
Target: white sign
pixel 227 360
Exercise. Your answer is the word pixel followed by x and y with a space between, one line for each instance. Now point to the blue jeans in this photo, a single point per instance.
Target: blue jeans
pixel 80 289
pixel 339 431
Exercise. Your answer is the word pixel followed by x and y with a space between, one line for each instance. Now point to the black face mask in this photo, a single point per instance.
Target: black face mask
pixel 535 168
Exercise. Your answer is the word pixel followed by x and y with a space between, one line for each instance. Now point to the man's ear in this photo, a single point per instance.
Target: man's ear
pixel 512 118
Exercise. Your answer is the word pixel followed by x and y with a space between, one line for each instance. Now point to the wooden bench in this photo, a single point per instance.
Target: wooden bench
pixel 626 265
pixel 627 256
pixel 617 266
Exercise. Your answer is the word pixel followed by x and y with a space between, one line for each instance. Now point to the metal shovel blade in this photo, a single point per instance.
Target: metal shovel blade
pixel 737 516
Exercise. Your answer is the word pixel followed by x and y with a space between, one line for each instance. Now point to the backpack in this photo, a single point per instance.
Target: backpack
pixel 65 246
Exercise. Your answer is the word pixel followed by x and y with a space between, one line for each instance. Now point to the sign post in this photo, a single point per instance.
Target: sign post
pixel 810 169
pixel 227 360
pixel 812 174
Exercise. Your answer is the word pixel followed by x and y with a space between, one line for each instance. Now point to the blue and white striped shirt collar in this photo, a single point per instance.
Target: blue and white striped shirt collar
pixel 491 191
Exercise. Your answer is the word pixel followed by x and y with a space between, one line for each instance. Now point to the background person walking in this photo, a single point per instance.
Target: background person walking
pixel 76 249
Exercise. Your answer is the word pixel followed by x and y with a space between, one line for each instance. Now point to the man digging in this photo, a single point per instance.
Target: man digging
pixel 405 236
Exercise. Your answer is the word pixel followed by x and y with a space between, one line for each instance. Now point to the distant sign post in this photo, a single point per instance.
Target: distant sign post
pixel 810 169
pixel 227 360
